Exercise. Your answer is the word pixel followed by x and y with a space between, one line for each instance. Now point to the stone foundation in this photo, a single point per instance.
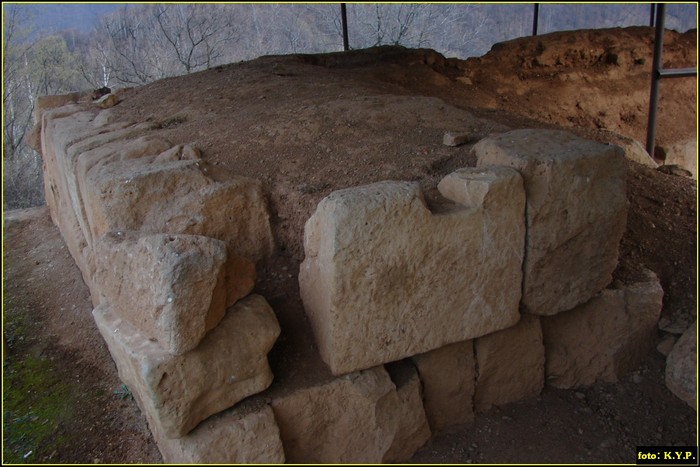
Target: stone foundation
pixel 423 316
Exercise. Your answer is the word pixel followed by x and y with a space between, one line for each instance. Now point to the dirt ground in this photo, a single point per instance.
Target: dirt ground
pixel 308 125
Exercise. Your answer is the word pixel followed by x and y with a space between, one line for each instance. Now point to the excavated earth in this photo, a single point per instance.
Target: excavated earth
pixel 307 125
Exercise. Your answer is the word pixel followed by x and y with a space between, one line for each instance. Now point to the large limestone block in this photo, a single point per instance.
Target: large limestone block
pixel 170 287
pixel 681 367
pixel 603 338
pixel 576 213
pixel 511 364
pixel 413 430
pixel 179 196
pixel 240 435
pixel 67 133
pixel 384 278
pixel 59 183
pixel 356 418
pixel 178 392
pixel 448 375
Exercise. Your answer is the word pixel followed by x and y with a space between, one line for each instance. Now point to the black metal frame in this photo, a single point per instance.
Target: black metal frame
pixel 344 21
pixel 657 73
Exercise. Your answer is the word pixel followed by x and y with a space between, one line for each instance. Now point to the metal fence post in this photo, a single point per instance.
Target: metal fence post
pixel 655 78
pixel 535 19
pixel 344 20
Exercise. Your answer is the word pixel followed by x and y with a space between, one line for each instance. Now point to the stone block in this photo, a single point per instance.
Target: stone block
pixel 356 418
pixel 576 213
pixel 603 338
pixel 413 430
pixel 684 154
pixel 244 434
pixel 448 375
pixel 170 287
pixel 178 392
pixel 158 195
pixel 633 150
pixel 510 364
pixel 107 101
pixel 384 278
pixel 681 367
pixel 45 103
pixel 455 138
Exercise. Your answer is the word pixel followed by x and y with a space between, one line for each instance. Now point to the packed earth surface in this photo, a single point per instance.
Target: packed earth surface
pixel 307 125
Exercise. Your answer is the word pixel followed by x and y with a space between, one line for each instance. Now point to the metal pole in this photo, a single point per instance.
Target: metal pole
pixel 535 19
pixel 652 13
pixel 344 20
pixel 678 73
pixel 655 77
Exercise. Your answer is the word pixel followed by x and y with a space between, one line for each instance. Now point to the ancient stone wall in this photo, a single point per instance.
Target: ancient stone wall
pixel 423 317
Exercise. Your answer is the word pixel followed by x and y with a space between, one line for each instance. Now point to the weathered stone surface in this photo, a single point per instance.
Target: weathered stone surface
pixel 666 345
pixel 576 213
pixel 79 151
pixel 684 154
pixel 633 150
pixel 178 392
pixel 413 430
pixel 448 376
pixel 675 170
pixel 154 194
pixel 44 103
pixel 240 435
pixel 681 367
pixel 170 287
pixel 356 418
pixel 677 326
pixel 456 138
pixel 384 278
pixel 511 364
pixel 603 338
pixel 107 101
pixel 58 183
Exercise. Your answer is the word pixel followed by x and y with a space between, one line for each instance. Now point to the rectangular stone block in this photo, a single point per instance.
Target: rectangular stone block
pixel 178 392
pixel 413 430
pixel 245 434
pixel 157 194
pixel 576 212
pixel 448 375
pixel 356 418
pixel 171 288
pixel 603 338
pixel 510 364
pixel 384 278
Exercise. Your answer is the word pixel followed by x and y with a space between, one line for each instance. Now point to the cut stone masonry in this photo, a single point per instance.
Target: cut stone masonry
pixel 576 213
pixel 469 306
pixel 383 271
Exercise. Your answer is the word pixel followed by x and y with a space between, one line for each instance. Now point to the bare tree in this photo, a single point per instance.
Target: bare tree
pixel 195 33
pixel 132 58
pixel 18 94
pixel 395 24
